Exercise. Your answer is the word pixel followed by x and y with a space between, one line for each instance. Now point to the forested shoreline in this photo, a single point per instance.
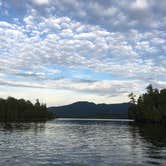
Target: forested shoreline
pixel 150 106
pixel 12 109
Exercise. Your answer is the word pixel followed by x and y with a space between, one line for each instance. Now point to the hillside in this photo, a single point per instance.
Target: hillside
pixel 91 110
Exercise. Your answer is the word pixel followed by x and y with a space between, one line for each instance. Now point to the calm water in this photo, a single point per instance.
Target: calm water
pixel 82 142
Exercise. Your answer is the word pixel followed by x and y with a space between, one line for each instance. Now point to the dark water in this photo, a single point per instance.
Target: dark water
pixel 79 142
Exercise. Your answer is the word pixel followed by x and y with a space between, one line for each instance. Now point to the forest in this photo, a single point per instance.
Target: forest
pixel 12 109
pixel 150 107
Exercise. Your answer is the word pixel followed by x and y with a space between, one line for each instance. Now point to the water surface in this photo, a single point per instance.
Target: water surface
pixel 82 142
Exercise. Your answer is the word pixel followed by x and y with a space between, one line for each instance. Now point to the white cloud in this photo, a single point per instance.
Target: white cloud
pixel 92 47
pixel 41 2
pixel 140 4
pixel 42 49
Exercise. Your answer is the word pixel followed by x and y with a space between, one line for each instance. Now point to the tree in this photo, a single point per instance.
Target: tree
pixel 132 97
pixel 149 89
pixel 13 109
pixel 150 106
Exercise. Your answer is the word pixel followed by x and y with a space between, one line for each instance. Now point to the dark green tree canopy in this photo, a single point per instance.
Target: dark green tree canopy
pixel 150 106
pixel 12 109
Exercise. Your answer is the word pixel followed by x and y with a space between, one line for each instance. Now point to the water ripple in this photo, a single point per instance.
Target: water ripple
pixel 81 142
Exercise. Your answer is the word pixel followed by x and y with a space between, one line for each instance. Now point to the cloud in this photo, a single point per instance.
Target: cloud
pixel 111 15
pixel 92 47
pixel 119 15
pixel 123 41
pixel 139 4
pixel 104 87
pixel 41 2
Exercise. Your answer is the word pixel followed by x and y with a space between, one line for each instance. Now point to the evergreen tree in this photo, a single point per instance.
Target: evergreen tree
pixel 13 109
pixel 150 107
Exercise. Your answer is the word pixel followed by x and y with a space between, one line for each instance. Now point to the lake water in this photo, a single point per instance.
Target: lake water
pixel 82 142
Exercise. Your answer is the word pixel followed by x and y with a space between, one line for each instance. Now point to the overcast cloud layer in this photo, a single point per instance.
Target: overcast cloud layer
pixel 99 50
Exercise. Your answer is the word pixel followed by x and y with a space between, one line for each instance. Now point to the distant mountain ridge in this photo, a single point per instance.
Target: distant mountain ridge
pixel 84 109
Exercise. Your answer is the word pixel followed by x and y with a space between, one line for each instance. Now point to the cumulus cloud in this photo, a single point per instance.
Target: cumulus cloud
pixel 114 15
pixel 41 2
pixel 93 48
pixel 139 4
pixel 110 38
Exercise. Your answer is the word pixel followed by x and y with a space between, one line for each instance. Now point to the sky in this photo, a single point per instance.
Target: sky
pixel 62 51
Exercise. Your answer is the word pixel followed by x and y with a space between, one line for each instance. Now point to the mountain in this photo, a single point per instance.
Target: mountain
pixel 85 109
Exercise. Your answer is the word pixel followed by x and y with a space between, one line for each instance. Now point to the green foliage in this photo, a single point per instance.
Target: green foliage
pixel 150 107
pixel 12 109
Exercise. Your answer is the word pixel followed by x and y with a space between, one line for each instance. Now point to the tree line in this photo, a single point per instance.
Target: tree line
pixel 149 107
pixel 12 109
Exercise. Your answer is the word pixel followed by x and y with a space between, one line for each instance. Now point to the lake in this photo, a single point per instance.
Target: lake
pixel 78 142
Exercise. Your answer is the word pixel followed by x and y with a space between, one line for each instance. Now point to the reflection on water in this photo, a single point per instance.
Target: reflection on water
pixel 12 127
pixel 82 142
pixel 153 136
